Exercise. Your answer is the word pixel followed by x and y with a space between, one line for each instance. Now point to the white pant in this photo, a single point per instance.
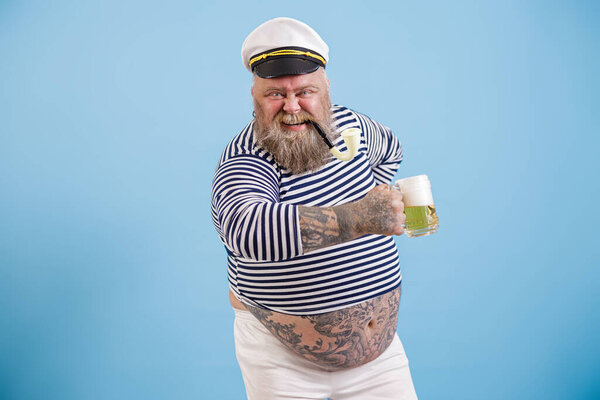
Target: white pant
pixel 271 371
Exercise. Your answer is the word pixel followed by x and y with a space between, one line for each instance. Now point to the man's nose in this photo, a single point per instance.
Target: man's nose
pixel 291 105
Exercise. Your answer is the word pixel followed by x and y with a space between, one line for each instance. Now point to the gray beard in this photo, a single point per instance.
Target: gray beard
pixel 300 151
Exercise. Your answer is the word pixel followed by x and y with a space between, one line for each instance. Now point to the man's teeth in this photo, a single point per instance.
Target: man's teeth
pixel 299 123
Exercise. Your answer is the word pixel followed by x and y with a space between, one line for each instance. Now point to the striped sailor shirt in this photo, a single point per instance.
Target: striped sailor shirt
pixel 255 211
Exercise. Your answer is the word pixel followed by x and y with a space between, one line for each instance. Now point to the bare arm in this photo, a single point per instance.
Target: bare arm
pixel 381 211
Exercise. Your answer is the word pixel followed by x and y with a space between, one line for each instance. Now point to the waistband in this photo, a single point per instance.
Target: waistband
pixel 244 315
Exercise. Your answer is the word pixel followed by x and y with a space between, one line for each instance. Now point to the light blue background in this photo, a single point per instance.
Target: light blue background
pixel 112 117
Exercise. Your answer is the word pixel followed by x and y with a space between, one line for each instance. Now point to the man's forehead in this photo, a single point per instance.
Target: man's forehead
pixel 291 82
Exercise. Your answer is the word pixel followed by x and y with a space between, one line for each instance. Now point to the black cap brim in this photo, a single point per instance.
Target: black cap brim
pixel 284 66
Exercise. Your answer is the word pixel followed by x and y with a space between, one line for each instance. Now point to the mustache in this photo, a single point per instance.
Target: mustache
pixel 294 119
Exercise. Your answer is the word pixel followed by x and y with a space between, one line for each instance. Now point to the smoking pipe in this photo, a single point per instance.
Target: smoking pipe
pixel 351 138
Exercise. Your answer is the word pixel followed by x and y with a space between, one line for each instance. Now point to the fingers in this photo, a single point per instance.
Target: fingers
pixel 387 188
pixel 389 195
pixel 396 210
pixel 397 199
pixel 398 206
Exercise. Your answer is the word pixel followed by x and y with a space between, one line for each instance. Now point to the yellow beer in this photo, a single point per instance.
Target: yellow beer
pixel 420 220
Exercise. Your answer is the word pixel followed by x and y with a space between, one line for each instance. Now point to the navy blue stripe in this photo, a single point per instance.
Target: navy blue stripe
pixel 337 304
pixel 341 251
pixel 263 230
pixel 340 279
pixel 308 300
pixel 314 274
pixel 343 293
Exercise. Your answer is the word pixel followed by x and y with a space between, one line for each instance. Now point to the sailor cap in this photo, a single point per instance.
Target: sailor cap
pixel 284 46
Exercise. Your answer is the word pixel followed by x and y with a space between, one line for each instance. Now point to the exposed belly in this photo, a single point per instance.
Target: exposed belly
pixel 339 339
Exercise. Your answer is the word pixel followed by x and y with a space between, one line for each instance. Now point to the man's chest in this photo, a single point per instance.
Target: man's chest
pixel 336 183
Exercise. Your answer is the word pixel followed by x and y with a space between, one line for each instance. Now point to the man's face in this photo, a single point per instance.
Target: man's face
pixel 283 107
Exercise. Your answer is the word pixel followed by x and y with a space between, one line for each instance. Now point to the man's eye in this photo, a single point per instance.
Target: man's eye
pixel 274 94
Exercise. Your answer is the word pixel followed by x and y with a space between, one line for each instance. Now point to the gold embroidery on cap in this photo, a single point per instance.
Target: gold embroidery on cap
pixel 287 53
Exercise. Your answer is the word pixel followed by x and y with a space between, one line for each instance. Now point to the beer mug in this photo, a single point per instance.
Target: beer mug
pixel 421 219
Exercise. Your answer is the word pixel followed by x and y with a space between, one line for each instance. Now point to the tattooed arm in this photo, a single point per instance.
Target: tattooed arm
pixel 381 212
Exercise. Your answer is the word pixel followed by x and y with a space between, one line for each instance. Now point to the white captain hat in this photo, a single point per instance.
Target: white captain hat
pixel 284 46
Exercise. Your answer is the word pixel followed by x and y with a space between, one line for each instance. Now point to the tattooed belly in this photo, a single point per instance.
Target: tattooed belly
pixel 339 339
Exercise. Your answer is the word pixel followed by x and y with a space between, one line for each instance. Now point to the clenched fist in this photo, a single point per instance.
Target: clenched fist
pixel 380 212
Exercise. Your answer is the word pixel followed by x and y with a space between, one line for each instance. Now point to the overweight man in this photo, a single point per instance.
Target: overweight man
pixel 313 268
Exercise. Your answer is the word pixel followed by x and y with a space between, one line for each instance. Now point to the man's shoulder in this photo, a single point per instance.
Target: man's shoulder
pixel 345 118
pixel 346 114
pixel 340 112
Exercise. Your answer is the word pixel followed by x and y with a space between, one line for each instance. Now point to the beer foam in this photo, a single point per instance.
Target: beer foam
pixel 416 191
pixel 417 198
